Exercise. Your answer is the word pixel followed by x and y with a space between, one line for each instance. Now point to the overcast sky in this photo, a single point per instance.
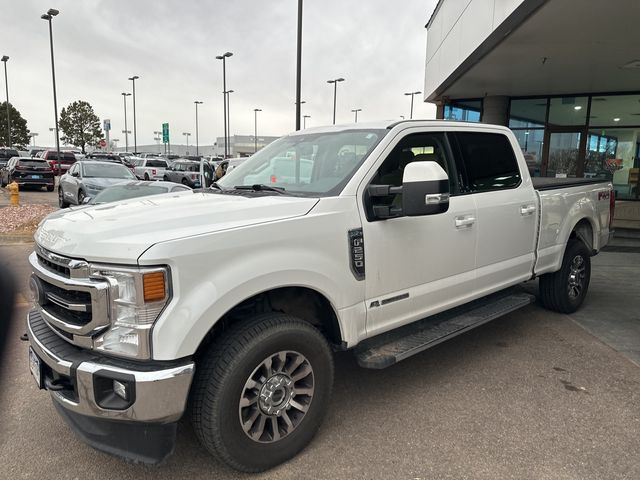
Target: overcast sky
pixel 378 46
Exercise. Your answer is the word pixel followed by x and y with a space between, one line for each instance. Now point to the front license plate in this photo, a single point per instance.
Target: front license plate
pixel 36 367
pixel 36 176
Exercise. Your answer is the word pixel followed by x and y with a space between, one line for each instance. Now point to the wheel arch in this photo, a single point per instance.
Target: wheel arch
pixel 302 302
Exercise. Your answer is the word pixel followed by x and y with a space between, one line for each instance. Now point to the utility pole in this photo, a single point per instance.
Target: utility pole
pixel 335 89
pixel 299 66
pixel 6 83
pixel 412 94
pixel 356 112
pixel 255 129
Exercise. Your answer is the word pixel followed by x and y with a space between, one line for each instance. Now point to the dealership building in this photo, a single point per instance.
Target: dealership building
pixel 563 75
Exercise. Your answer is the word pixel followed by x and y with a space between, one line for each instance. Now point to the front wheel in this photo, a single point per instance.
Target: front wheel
pixel 261 391
pixel 146 177
pixel 81 197
pixel 564 291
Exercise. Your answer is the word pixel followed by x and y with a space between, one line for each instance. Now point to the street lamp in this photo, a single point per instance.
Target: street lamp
pixel 227 94
pixel 412 94
pixel 6 83
pixel 224 57
pixel 299 67
pixel 126 130
pixel 187 134
pixel 33 136
pixel 135 137
pixel 335 88
pixel 356 112
pixel 52 12
pixel 255 129
pixel 197 102
pixel 305 120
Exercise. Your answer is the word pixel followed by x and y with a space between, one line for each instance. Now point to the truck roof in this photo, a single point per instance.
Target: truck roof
pixel 389 124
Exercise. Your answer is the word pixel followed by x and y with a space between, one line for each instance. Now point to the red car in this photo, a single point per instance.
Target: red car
pixel 66 160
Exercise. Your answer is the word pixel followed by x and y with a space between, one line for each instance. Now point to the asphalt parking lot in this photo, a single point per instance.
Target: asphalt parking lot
pixel 31 196
pixel 531 395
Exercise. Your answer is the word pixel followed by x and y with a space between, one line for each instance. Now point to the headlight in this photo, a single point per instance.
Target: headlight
pixel 137 297
pixel 91 186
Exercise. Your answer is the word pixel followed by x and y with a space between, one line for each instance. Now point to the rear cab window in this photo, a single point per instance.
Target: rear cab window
pixel 488 160
pixel 157 163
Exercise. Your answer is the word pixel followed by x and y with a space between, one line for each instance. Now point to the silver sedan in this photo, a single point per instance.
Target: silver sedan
pixel 87 178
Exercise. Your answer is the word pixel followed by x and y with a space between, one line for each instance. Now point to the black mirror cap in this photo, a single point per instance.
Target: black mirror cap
pixel 428 197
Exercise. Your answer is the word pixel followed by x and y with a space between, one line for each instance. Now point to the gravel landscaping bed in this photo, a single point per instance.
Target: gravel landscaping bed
pixel 23 219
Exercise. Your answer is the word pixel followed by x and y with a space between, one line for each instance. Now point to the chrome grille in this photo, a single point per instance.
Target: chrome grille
pixel 73 304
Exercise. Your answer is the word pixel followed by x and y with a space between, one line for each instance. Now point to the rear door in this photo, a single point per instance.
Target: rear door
pixel 506 204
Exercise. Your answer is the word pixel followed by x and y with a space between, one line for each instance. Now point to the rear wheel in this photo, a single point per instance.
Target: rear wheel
pixel 261 391
pixel 146 177
pixel 185 182
pixel 61 201
pixel 49 188
pixel 564 291
pixel 165 178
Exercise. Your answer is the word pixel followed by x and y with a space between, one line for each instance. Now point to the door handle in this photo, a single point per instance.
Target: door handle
pixel 527 210
pixel 465 221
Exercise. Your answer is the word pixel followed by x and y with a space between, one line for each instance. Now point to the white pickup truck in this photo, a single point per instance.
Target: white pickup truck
pixel 226 304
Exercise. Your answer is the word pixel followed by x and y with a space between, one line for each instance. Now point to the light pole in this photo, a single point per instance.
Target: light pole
pixel 52 12
pixel 305 120
pixel 412 94
pixel 33 136
pixel 299 66
pixel 126 129
pixel 224 57
pixel 356 112
pixel 186 135
pixel 255 129
pixel 6 83
pixel 135 137
pixel 227 95
pixel 197 102
pixel 335 89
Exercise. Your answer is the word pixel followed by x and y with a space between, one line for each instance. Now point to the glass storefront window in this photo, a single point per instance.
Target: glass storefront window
pixel 531 143
pixel 528 113
pixel 463 111
pixel 564 148
pixel 568 111
pixel 615 110
pixel 611 153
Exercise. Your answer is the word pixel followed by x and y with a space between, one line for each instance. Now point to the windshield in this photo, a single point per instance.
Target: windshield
pixel 311 164
pixel 124 192
pixel 101 170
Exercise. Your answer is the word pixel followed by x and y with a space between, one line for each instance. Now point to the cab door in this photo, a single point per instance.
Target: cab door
pixel 416 266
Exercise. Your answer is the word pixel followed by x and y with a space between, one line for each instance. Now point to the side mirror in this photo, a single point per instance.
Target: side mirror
pixel 86 200
pixel 425 189
pixel 75 174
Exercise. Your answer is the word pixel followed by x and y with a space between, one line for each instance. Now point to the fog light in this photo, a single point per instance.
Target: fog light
pixel 120 389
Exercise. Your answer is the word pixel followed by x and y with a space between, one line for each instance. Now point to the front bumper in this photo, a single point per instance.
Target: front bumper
pixel 76 379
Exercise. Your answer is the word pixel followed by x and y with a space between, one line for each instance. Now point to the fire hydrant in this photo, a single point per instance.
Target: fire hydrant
pixel 14 193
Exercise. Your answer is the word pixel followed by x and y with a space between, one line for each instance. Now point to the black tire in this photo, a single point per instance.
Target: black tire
pixel 2 184
pixel 185 182
pixel 61 201
pixel 81 197
pixel 146 176
pixel 49 188
pixel 165 178
pixel 222 378
pixel 565 290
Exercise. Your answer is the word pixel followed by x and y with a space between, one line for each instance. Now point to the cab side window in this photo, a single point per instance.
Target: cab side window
pixel 415 147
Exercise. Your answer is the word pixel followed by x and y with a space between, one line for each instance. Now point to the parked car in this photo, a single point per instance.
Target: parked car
pixel 187 172
pixel 87 178
pixel 6 154
pixel 35 151
pixel 63 164
pixel 27 171
pixel 133 189
pixel 77 153
pixel 149 168
pixel 110 157
pixel 232 300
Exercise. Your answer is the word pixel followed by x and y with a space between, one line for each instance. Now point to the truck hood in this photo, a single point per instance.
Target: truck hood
pixel 120 232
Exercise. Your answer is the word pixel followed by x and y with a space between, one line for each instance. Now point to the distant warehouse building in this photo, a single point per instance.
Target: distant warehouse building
pixel 564 75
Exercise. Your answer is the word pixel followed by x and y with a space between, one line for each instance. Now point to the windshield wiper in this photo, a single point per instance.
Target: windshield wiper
pixel 261 187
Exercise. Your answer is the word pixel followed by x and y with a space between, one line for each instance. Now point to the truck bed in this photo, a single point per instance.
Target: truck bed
pixel 551 183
